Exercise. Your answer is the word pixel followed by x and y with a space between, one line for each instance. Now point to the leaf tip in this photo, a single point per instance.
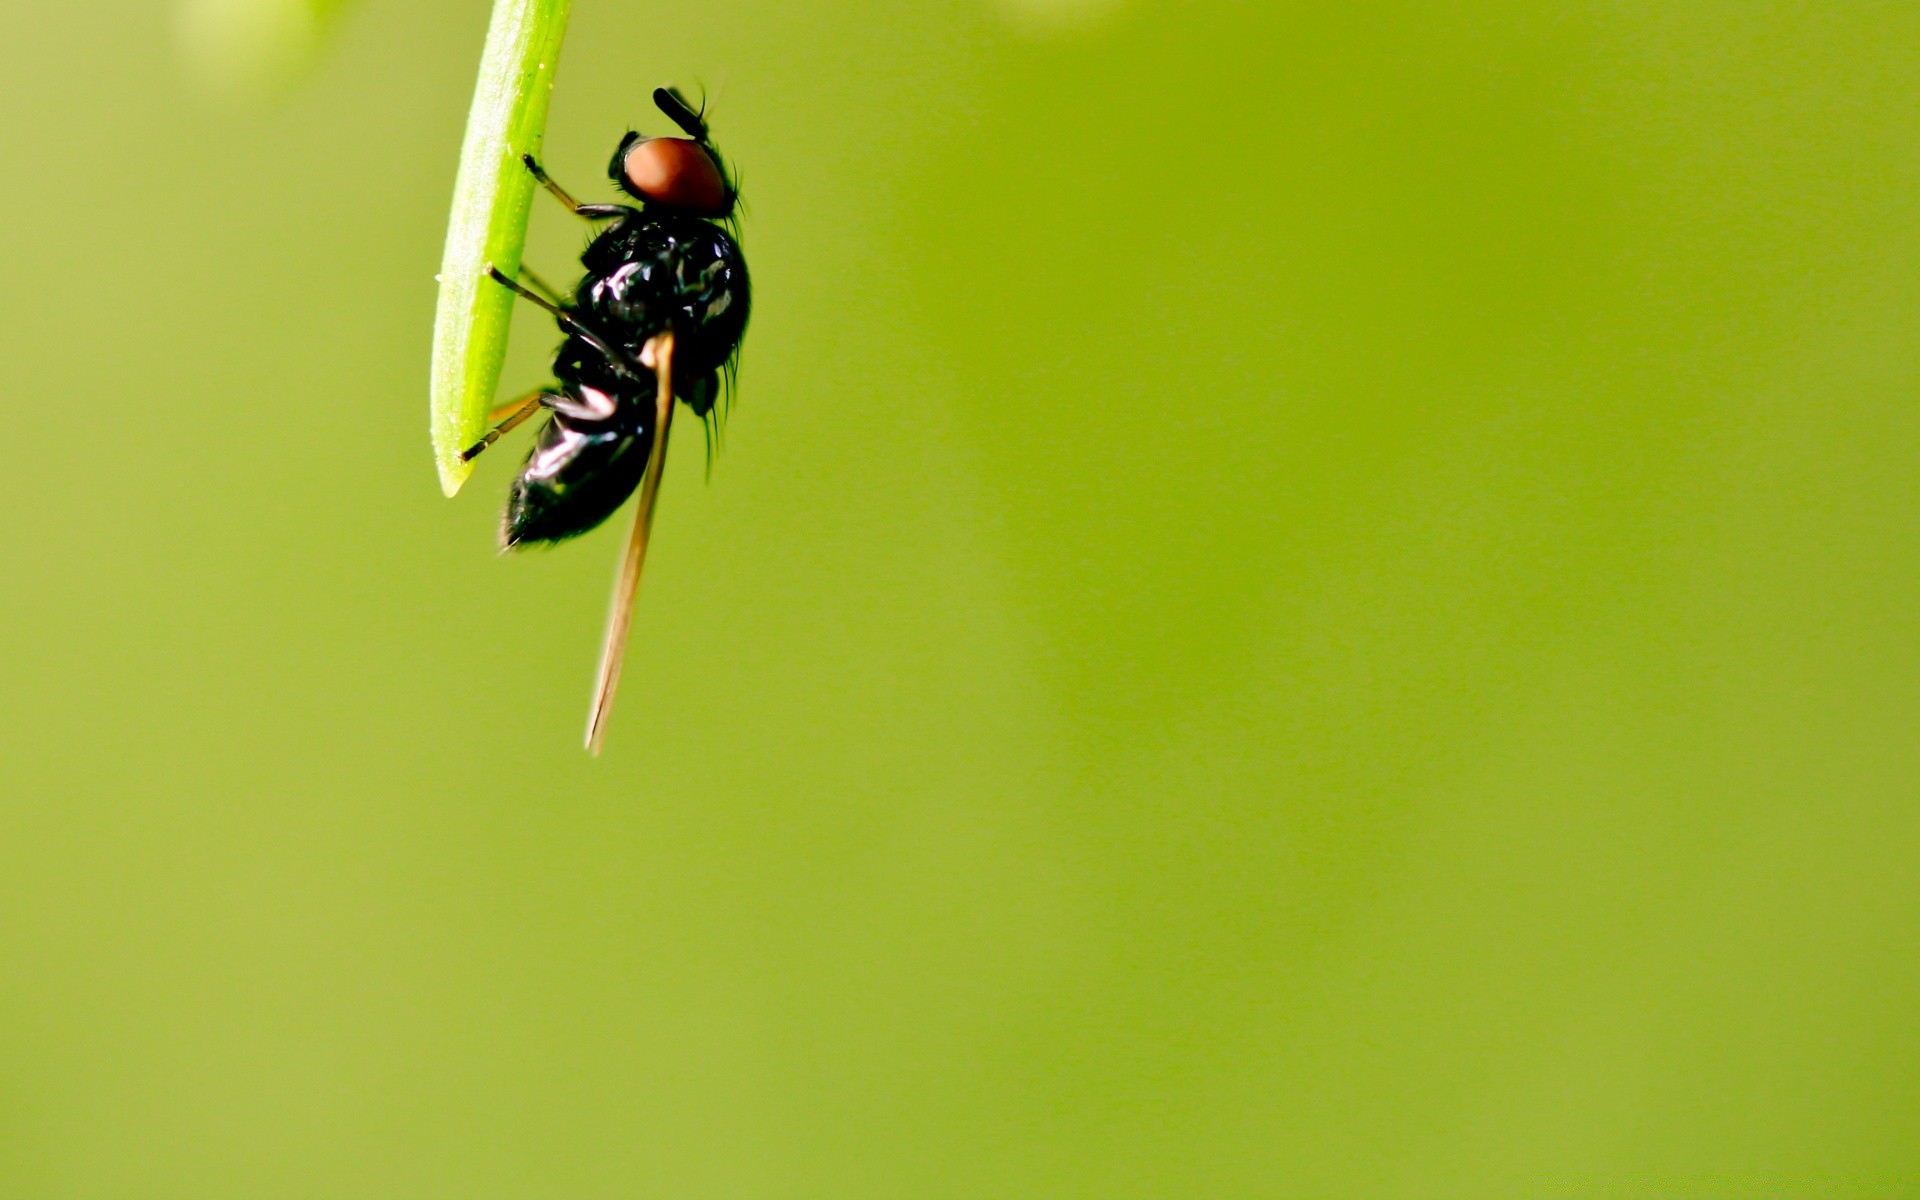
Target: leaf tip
pixel 453 473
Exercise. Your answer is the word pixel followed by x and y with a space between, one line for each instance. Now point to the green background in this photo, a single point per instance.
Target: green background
pixel 1302 600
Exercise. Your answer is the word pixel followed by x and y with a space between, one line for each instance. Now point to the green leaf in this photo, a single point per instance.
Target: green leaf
pixel 491 196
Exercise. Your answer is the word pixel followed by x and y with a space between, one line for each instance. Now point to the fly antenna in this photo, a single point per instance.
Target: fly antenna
pixel 672 103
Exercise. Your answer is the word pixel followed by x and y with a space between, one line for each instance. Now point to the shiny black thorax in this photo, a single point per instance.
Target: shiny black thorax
pixel 646 272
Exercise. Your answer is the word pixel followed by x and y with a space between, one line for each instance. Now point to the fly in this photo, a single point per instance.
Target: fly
pixel 658 314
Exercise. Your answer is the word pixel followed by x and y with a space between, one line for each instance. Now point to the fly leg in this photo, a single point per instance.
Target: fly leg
pixel 591 212
pixel 540 285
pixel 514 412
pixel 621 362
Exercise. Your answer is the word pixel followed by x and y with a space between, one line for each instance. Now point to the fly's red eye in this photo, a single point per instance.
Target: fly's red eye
pixel 678 173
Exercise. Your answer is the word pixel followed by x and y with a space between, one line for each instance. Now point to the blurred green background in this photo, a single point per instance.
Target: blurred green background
pixel 1302 600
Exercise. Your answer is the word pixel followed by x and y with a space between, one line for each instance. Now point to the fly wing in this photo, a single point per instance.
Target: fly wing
pixel 626 586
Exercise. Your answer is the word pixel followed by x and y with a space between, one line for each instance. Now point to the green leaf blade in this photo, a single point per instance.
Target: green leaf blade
pixel 491 196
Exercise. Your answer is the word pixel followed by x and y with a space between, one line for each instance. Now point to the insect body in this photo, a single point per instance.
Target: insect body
pixel 659 313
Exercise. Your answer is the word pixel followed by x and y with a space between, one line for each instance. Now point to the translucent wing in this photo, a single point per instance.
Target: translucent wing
pixel 626 586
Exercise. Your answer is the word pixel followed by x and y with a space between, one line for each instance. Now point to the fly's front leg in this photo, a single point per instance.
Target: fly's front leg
pixel 590 212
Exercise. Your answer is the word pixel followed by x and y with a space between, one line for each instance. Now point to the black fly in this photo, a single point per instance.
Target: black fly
pixel 658 314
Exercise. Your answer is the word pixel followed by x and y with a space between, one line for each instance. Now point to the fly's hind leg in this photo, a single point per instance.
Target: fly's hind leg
pixel 513 412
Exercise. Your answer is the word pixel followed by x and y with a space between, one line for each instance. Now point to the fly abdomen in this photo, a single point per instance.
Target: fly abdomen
pixel 576 476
